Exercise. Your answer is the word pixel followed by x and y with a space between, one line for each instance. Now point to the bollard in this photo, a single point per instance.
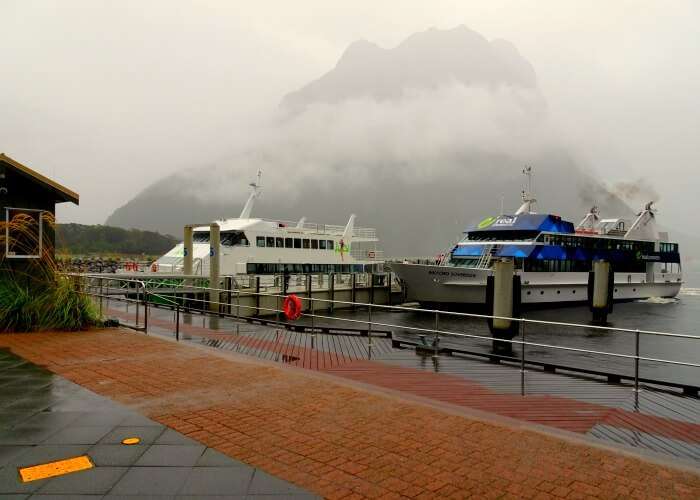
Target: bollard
pixel 188 250
pixel 600 288
pixel 502 293
pixel 214 266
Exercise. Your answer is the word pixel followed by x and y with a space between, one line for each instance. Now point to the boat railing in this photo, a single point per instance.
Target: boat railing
pixel 332 229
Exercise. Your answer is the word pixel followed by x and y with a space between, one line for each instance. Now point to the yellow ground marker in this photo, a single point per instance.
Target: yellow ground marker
pixel 57 468
pixel 133 440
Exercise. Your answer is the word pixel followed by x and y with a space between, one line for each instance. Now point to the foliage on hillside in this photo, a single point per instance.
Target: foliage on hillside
pixel 79 239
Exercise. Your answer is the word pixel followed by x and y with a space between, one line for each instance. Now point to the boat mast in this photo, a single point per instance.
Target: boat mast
pixel 255 193
pixel 528 206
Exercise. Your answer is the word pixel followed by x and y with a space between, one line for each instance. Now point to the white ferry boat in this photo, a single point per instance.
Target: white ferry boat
pixel 261 246
pixel 553 258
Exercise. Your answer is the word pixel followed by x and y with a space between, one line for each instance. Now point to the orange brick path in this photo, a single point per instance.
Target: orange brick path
pixel 339 441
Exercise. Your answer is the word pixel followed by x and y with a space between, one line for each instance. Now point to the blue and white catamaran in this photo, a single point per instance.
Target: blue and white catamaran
pixel 553 258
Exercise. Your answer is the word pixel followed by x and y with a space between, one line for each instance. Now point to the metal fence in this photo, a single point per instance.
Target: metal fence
pixel 435 332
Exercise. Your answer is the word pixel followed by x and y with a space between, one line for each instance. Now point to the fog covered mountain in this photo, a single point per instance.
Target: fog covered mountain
pixel 419 141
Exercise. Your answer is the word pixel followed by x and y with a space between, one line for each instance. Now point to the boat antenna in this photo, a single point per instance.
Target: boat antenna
pixel 254 194
pixel 528 200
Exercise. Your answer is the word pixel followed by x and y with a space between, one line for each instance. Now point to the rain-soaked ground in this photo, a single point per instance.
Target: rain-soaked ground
pixel 45 418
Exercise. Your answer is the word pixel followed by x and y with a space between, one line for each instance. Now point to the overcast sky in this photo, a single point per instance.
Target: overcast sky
pixel 108 97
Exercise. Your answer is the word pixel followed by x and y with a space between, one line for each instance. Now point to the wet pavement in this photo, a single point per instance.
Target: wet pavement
pixel 44 418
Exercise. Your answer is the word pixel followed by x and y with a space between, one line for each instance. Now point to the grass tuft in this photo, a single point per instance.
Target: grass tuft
pixel 33 294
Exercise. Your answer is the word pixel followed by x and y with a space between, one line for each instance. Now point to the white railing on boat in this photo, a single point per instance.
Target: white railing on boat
pixel 368 233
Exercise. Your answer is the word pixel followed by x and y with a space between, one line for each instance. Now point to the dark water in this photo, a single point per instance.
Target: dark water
pixel 679 315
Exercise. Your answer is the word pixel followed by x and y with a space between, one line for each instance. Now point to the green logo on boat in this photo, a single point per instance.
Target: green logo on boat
pixel 486 222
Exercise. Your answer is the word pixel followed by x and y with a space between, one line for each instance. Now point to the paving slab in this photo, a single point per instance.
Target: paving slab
pixel 59 419
pixel 331 436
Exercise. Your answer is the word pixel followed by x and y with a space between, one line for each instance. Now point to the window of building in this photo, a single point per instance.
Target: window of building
pixel 260 241
pixel 314 244
pixel 24 234
pixel 297 242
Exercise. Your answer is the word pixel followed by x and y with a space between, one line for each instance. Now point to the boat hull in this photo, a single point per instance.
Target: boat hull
pixel 464 286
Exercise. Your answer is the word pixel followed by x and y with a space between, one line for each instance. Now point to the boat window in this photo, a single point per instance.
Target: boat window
pixel 279 242
pixel 270 242
pixel 200 237
pixel 329 244
pixel 322 244
pixel 260 241
pixel 288 243
pixel 314 244
pixel 233 238
pixel 297 242
pixel 305 243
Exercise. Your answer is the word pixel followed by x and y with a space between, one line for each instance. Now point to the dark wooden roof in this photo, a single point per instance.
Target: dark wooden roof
pixel 62 193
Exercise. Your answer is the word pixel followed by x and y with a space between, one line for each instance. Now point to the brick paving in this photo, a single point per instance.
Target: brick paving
pixel 337 440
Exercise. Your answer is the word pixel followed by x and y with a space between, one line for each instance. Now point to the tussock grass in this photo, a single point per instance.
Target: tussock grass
pixel 33 294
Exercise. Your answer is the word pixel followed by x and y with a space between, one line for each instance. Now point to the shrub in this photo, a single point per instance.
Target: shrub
pixel 33 294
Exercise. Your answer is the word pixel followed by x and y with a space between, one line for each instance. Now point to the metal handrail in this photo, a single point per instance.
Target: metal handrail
pixel 436 331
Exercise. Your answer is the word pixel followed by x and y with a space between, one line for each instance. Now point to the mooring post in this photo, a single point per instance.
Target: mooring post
pixel 214 267
pixel 188 251
pixel 502 300
pixel 177 323
pixel 600 295
pixel 313 330
pixel 331 292
pixel 371 288
pixel 522 357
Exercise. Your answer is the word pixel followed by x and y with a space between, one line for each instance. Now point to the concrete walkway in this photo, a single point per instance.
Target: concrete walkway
pixel 337 438
pixel 44 418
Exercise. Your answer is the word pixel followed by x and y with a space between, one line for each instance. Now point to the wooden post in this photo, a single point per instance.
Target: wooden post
pixel 331 292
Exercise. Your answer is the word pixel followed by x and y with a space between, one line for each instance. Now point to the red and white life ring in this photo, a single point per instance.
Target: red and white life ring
pixel 292 307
